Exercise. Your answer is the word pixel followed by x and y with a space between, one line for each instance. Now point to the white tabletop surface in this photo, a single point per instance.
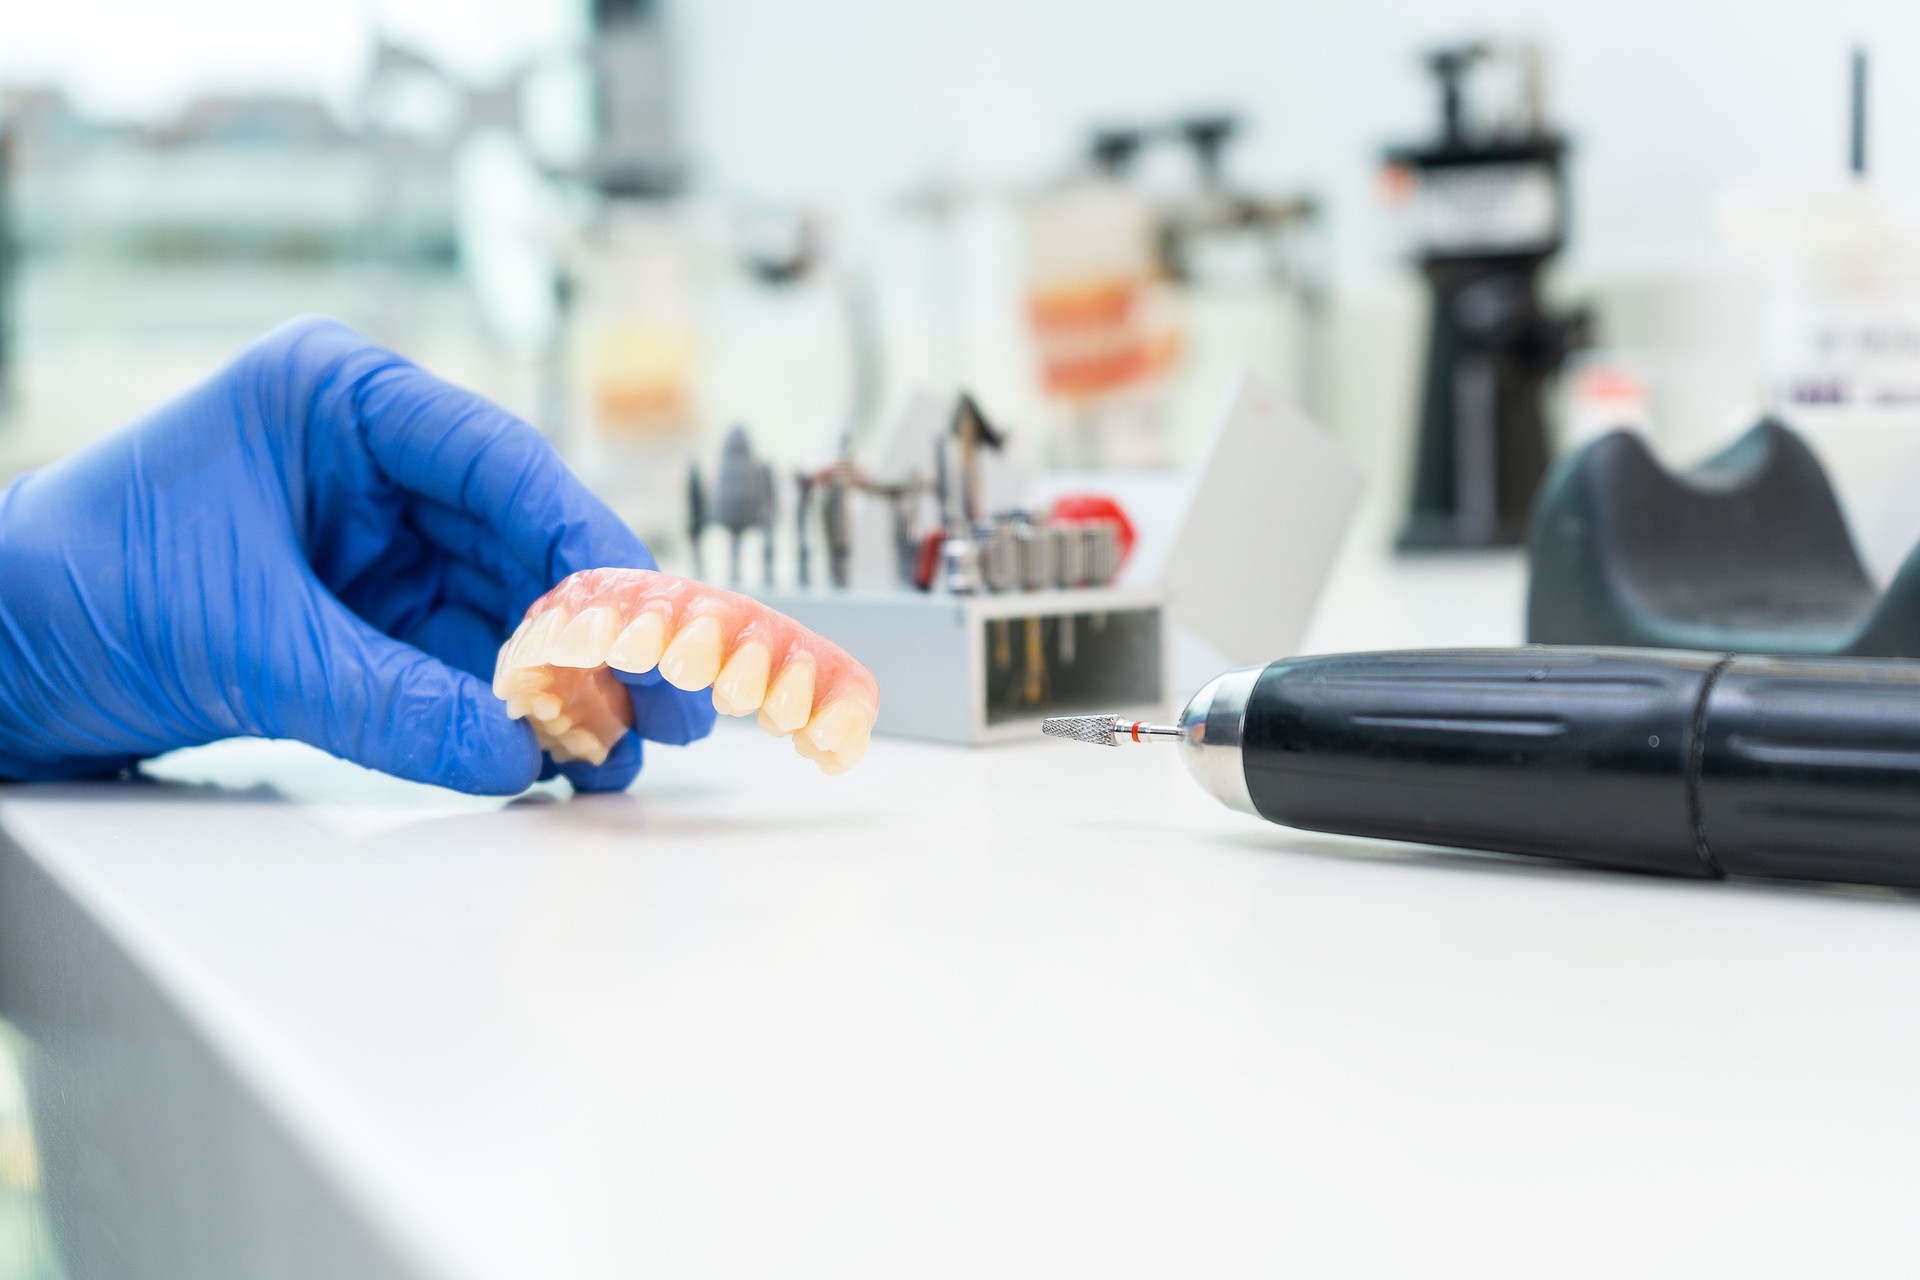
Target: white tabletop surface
pixel 1034 1010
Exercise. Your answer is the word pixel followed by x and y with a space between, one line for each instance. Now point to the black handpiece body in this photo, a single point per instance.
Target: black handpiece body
pixel 1677 762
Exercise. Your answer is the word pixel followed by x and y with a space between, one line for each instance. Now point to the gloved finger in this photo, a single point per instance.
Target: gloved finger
pixel 388 590
pixel 458 636
pixel 474 589
pixel 65 768
pixel 448 444
pixel 660 712
pixel 475 545
pixel 346 688
pixel 615 773
pixel 666 714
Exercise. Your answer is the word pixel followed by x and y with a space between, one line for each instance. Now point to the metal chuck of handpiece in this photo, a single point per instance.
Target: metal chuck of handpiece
pixel 1211 731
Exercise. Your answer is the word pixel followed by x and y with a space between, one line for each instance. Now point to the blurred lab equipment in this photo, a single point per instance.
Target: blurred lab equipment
pixel 1150 274
pixel 1259 524
pixel 1097 506
pixel 957 471
pixel 636 149
pixel 988 666
pixel 992 617
pixel 1487 207
pixel 1840 329
pixel 742 499
pixel 1747 551
pixel 1101 320
pixel 1836 329
pixel 1114 264
pixel 1024 612
pixel 1704 765
pixel 696 519
pixel 592 253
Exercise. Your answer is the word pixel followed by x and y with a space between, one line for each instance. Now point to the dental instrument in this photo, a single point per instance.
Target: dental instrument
pixel 999 554
pixel 960 573
pixel 769 513
pixel 836 518
pixel 1682 763
pixel 802 538
pixel 738 500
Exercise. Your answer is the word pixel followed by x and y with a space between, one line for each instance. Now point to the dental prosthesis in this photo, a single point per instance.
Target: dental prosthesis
pixel 553 671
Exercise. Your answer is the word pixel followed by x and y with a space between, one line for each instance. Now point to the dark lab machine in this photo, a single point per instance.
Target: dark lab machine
pixel 1487 203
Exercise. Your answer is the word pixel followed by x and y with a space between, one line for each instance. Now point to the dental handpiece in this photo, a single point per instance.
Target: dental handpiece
pixel 1683 763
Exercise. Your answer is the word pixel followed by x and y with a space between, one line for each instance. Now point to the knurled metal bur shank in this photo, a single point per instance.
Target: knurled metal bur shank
pixel 1099 731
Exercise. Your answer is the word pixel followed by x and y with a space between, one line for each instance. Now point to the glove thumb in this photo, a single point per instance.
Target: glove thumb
pixel 350 690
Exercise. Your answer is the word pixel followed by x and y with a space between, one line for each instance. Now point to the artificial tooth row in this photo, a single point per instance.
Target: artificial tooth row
pixel 834 737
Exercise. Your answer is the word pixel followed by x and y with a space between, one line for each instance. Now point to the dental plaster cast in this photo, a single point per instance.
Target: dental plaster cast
pixel 553 672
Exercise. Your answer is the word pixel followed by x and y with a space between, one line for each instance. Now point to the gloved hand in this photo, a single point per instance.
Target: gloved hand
pixel 322 542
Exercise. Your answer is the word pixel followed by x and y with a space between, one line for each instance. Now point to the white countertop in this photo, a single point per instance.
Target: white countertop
pixel 1030 1010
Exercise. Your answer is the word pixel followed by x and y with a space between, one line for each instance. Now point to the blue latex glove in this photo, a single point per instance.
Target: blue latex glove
pixel 323 542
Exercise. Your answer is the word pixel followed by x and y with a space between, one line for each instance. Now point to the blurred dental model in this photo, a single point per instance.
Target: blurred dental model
pixel 554 671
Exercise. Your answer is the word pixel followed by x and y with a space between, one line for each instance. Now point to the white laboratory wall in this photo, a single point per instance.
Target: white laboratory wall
pixel 1667 100
pixel 854 100
pixel 130 60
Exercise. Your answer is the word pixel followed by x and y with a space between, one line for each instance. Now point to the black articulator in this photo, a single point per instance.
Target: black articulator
pixel 1682 763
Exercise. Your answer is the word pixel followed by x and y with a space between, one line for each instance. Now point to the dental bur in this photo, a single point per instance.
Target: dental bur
pixel 1680 763
pixel 1108 731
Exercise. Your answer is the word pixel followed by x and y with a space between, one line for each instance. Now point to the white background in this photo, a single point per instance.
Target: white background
pixel 853 100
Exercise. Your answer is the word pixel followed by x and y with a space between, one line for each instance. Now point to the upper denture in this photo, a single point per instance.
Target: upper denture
pixel 553 670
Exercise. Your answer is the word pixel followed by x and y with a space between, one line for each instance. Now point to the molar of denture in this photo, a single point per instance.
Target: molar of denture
pixel 585 641
pixel 839 730
pixel 789 701
pixel 638 648
pixel 545 706
pixel 519 707
pixel 741 685
pixel 829 763
pixel 530 650
pixel 692 659
pixel 585 746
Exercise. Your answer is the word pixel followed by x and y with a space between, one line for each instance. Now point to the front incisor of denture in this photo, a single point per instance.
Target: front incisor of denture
pixel 586 639
pixel 640 645
pixel 530 650
pixel 553 670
